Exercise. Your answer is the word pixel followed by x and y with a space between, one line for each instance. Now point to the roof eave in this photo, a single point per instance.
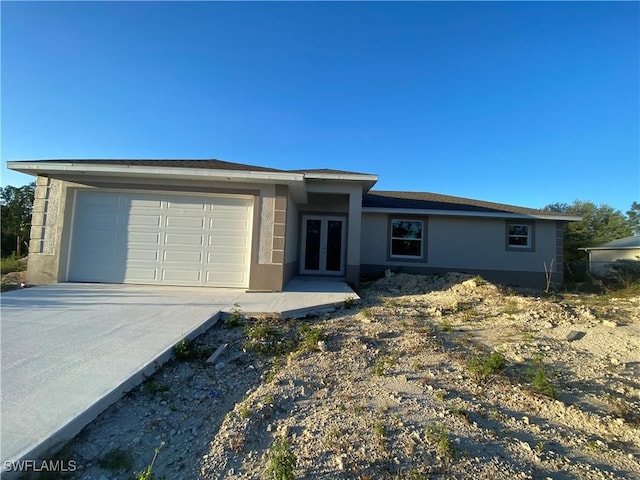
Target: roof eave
pixel 463 213
pixel 62 168
pixel 588 249
pixel 367 180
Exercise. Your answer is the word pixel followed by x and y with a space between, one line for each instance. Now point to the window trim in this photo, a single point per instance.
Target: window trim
pixel 391 257
pixel 530 246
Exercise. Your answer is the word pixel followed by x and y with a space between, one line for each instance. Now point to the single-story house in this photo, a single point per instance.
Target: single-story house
pixel 221 224
pixel 601 257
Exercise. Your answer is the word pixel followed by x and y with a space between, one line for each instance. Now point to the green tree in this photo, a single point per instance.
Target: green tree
pixel 16 206
pixel 600 223
pixel 634 217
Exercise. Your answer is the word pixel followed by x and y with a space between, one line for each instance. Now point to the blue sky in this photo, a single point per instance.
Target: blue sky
pixel 525 103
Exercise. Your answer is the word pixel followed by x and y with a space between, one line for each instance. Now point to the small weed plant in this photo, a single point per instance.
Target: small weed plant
pixel 11 264
pixel 267 338
pixel 147 473
pixel 236 318
pixel 310 336
pixel 187 350
pixel 381 363
pixel 378 367
pixel 278 363
pixel 479 281
pixel 152 387
pixel 446 327
pixel 244 412
pixel 366 313
pixel 539 377
pixel 484 365
pixel 380 433
pixel 439 437
pixel 281 461
pixel 511 307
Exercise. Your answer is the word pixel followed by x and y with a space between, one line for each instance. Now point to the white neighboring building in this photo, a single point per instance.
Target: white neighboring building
pixel 603 256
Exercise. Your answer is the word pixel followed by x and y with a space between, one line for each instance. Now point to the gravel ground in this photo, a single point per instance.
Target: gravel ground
pixel 394 389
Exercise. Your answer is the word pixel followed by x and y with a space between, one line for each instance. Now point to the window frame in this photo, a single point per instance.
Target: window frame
pixel 423 238
pixel 530 246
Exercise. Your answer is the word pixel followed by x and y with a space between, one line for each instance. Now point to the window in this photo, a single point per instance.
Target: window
pixel 519 236
pixel 406 238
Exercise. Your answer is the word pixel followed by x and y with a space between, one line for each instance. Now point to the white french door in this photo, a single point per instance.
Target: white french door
pixel 323 245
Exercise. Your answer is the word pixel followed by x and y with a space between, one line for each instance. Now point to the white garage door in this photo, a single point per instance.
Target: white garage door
pixel 161 239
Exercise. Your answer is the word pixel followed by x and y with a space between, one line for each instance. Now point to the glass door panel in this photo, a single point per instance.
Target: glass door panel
pixel 312 239
pixel 334 246
pixel 322 249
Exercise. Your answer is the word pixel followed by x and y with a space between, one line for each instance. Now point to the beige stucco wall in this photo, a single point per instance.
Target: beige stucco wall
pixel 461 243
pixel 292 231
pixel 341 197
pixel 53 212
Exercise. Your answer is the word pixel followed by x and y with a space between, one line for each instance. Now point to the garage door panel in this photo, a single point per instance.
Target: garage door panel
pixel 184 222
pixel 146 255
pixel 234 224
pixel 235 241
pixel 148 238
pixel 141 274
pixel 98 238
pixel 101 220
pixel 183 240
pixel 212 277
pixel 182 256
pixel 127 237
pixel 139 220
pixel 177 275
pixel 186 204
pixel 222 258
pixel 100 200
pixel 141 202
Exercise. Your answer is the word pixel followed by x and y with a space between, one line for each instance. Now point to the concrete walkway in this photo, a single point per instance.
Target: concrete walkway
pixel 68 351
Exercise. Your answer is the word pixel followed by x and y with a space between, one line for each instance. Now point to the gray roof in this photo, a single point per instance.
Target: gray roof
pixel 372 199
pixel 434 201
pixel 213 164
pixel 186 163
pixel 621 244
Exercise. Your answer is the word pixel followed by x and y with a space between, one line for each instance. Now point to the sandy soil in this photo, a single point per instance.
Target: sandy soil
pixel 396 390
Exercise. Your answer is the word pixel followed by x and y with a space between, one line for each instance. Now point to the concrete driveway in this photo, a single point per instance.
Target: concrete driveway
pixel 68 351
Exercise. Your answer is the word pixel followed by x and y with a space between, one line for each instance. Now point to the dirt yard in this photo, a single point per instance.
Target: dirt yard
pixel 428 377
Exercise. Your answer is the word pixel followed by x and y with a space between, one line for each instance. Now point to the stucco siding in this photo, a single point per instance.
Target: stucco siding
pixel 462 244
pixel 292 231
pixel 49 256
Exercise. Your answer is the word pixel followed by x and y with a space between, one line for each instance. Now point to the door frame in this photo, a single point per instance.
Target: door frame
pixel 324 219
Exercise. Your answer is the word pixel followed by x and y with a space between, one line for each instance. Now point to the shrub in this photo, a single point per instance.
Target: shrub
pixel 282 461
pixel 236 318
pixel 539 377
pixel 186 350
pixel 11 264
pixel 265 338
pixel 479 280
pixel 439 436
pixel 310 336
pixel 147 473
pixel 483 365
pixel 625 273
pixel 378 368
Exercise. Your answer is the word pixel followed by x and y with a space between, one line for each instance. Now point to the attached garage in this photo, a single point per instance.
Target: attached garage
pixel 158 238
